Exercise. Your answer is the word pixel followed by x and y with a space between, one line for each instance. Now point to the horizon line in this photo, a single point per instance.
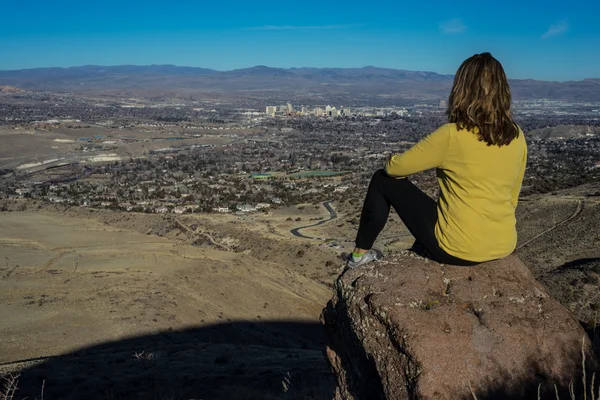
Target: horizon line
pixel 266 66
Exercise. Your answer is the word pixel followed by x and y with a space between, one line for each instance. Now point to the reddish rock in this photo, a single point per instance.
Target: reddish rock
pixel 410 328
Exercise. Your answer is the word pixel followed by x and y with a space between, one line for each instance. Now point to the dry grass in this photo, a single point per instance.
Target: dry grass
pixel 9 386
pixel 592 389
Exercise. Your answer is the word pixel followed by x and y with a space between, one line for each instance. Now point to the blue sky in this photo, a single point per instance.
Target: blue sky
pixel 548 40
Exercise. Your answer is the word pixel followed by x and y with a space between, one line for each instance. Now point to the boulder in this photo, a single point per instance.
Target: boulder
pixel 411 328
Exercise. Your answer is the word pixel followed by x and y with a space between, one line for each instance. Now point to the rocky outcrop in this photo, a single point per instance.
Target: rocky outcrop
pixel 410 328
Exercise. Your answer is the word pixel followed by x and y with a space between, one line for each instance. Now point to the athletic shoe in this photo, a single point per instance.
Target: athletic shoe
pixel 371 255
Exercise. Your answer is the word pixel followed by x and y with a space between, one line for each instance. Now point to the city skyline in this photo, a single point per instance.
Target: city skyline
pixel 538 40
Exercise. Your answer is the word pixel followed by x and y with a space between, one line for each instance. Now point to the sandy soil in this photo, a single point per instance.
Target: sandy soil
pixel 70 284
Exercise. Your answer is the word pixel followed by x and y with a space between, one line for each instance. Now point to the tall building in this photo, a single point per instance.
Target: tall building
pixel 271 110
pixel 443 104
pixel 289 108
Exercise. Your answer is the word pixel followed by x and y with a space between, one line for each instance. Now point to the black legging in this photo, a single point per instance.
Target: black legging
pixel 417 210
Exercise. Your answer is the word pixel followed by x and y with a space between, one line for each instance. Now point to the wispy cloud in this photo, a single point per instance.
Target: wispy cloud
pixel 303 27
pixel 556 29
pixel 453 26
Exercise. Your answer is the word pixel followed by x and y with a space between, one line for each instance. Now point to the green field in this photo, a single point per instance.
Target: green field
pixel 310 174
pixel 261 176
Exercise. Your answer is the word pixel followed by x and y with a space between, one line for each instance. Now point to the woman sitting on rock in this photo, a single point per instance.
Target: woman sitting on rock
pixel 480 158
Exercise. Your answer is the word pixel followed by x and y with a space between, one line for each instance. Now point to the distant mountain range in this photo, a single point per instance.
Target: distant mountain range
pixel 264 81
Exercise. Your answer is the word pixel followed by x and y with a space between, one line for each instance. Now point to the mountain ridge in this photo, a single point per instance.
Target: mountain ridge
pixel 367 80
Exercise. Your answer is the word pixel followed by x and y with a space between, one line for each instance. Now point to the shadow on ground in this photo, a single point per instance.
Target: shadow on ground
pixel 575 286
pixel 238 360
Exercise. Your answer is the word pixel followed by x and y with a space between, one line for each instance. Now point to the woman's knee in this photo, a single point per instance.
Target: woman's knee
pixel 377 178
pixel 379 174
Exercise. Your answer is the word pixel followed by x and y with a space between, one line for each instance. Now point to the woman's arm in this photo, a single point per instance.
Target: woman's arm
pixel 517 188
pixel 428 153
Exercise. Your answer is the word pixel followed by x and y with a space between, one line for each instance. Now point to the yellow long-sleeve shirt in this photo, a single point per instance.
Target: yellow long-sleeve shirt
pixel 479 190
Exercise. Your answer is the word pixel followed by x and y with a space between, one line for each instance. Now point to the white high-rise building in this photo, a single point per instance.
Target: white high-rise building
pixel 271 110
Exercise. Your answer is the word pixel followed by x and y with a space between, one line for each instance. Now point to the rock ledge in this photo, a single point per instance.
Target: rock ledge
pixel 410 328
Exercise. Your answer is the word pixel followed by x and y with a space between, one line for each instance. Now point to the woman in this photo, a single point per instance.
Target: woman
pixel 480 157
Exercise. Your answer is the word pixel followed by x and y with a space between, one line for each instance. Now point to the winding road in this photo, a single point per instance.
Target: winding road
pixel 332 215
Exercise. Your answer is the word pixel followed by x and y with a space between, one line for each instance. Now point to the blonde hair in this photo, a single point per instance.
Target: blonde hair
pixel 480 100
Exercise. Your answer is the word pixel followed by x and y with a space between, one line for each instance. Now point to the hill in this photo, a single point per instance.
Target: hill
pixel 560 132
pixel 239 302
pixel 558 241
pixel 10 89
pixel 263 80
pixel 85 288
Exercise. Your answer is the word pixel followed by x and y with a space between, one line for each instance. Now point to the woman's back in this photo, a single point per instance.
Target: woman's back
pixel 479 189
